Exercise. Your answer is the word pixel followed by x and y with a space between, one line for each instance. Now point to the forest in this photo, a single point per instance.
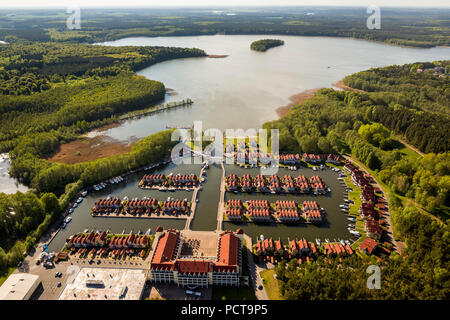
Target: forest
pixel 350 122
pixel 417 27
pixel 265 44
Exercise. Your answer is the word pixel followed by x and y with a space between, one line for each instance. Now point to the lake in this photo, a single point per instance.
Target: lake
pixel 244 89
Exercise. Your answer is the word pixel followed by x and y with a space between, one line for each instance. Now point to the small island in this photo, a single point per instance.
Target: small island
pixel 265 44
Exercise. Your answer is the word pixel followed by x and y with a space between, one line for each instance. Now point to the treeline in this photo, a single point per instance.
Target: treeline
pixel 408 27
pixel 265 44
pixel 24 217
pixel 410 103
pixel 29 68
pixel 88 100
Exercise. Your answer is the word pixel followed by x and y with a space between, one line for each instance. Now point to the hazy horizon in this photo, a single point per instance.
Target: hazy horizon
pixel 31 4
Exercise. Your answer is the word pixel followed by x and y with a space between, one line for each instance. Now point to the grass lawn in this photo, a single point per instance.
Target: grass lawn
pixel 271 284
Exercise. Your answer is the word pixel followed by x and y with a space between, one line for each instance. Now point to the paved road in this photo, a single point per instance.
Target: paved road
pixel 254 272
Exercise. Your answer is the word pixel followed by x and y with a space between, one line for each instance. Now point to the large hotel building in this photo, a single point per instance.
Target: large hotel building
pixel 172 264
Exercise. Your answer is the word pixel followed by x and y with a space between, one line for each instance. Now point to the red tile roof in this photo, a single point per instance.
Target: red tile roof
pixel 165 248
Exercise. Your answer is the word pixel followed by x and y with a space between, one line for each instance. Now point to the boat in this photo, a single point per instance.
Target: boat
pixel 86 230
pixel 347 242
pixel 318 242
pixel 149 231
pixel 68 219
pixel 342 242
pixel 261 237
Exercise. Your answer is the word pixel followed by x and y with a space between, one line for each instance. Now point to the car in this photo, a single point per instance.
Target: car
pixel 99 261
pixel 56 274
pixel 260 287
pixel 19 264
pixel 59 284
pixel 38 262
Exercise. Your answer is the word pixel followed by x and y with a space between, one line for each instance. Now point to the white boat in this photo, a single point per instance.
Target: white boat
pixel 347 242
pixel 149 231
pixel 318 242
pixel 261 237
pixel 342 242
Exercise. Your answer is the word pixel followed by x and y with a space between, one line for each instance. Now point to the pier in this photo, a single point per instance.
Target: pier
pixel 154 109
pixel 194 201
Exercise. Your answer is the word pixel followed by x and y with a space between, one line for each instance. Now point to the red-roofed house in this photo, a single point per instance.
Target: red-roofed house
pixel 368 246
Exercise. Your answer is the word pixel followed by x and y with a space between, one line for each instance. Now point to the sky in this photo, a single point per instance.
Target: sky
pixel 212 3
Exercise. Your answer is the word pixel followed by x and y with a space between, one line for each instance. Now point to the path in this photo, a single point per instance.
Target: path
pixel 410 146
pixel 254 272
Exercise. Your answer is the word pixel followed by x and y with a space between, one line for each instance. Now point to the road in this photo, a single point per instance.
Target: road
pixel 254 272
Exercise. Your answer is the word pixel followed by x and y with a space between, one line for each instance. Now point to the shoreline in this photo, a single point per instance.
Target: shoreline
pixel 217 56
pixel 340 84
pixel 296 99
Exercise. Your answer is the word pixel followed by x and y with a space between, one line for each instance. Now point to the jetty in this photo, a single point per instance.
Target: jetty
pixel 154 109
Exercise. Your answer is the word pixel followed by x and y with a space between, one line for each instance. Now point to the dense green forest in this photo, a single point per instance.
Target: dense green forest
pixel 421 27
pixel 410 103
pixel 265 44
pixel 351 122
pixel 53 92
